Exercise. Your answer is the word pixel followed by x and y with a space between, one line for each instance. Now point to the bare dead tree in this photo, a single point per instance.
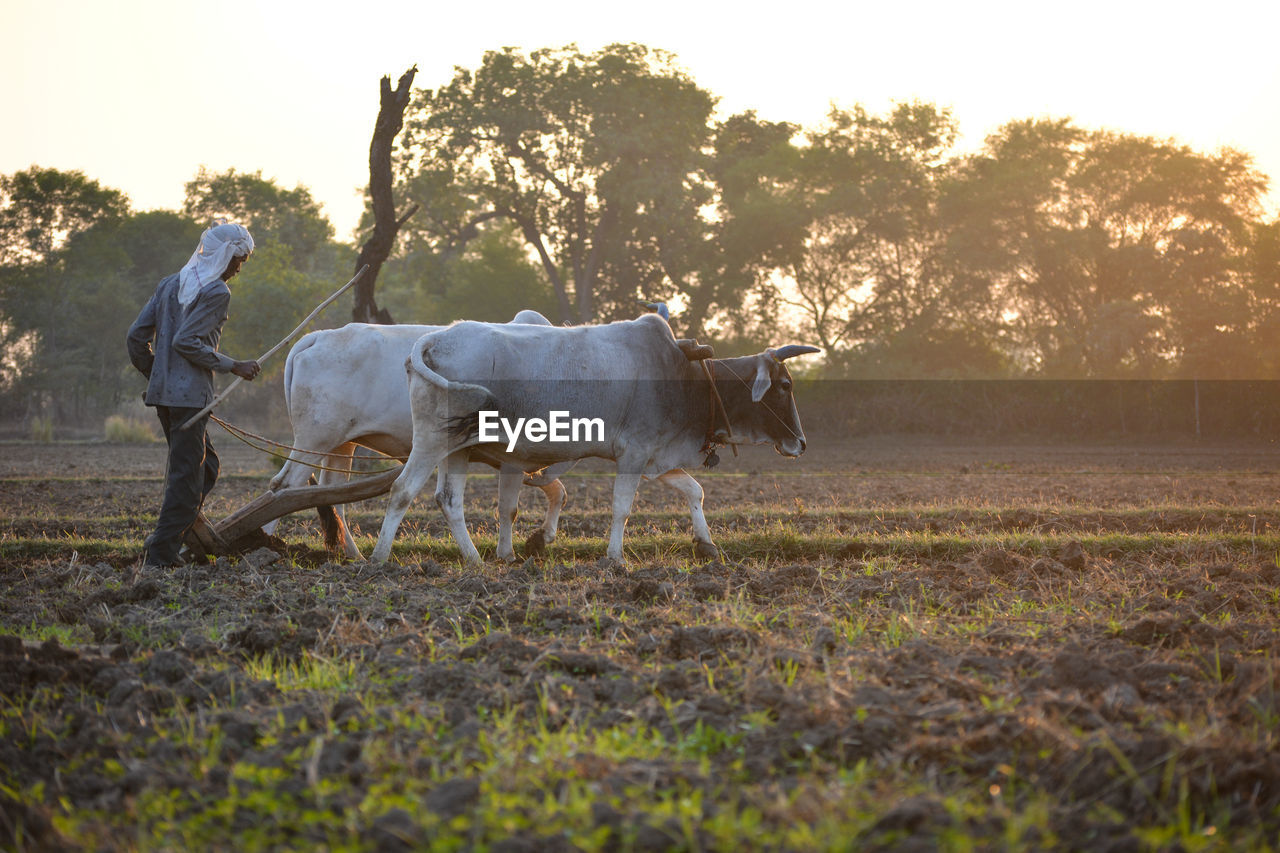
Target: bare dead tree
pixel 376 250
pixel 386 225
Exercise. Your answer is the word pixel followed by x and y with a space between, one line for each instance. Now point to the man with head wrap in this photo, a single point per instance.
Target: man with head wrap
pixel 184 318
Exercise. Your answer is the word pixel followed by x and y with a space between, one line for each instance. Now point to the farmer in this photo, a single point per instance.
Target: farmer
pixel 184 318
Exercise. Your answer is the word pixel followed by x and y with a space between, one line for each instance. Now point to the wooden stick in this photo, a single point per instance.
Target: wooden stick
pixel 287 338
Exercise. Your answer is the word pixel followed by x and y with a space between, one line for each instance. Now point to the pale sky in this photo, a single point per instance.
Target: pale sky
pixel 138 94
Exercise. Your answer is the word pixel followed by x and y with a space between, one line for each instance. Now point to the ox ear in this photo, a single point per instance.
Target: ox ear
pixel 763 380
pixel 791 350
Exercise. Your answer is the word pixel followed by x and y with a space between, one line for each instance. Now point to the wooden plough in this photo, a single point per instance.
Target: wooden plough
pixel 238 532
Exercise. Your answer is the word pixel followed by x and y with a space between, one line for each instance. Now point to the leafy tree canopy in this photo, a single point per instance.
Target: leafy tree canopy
pixel 40 209
pixel 583 153
pixel 272 214
pixel 1114 254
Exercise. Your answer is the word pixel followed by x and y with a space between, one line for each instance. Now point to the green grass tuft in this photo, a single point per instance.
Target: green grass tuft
pixel 121 430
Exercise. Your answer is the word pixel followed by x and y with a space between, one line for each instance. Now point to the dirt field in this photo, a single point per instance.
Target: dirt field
pixel 907 645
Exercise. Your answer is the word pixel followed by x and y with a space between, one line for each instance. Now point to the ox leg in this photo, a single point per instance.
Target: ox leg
pixel 295 472
pixel 624 495
pixel 333 519
pixel 288 474
pixel 413 477
pixel 450 484
pixel 683 482
pixel 548 480
pixel 509 479
pixel 291 474
pixel 557 496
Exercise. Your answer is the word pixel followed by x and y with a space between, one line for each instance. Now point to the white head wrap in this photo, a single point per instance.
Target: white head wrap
pixel 218 245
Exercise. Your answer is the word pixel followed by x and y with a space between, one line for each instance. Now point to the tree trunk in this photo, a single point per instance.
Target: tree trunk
pixel 386 226
pixel 587 280
pixel 695 313
pixel 534 239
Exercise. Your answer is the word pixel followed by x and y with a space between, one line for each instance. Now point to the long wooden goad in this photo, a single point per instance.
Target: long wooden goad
pixel 287 338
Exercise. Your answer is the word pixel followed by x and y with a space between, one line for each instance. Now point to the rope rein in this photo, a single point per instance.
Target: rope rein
pixel 714 439
pixel 271 446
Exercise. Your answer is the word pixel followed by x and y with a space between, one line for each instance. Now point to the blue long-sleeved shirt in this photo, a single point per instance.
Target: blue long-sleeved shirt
pixel 180 368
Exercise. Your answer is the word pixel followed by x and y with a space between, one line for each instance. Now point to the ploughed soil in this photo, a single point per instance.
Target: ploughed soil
pixel 1089 660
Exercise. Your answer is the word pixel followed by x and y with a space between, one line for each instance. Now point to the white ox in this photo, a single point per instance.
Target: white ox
pixel 346 387
pixel 657 407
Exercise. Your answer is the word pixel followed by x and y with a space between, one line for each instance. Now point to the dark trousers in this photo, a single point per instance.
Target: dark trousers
pixel 190 473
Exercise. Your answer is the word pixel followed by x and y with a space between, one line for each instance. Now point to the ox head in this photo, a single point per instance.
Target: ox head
pixel 770 416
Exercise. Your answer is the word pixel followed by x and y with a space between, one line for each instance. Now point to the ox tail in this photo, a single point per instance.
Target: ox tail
pixel 305 343
pixel 330 523
pixel 463 401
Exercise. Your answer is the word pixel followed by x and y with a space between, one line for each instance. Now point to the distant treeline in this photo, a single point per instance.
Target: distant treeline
pixel 579 183
pixel 1043 409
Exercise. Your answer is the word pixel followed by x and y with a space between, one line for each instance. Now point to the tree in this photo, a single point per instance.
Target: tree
pixel 80 310
pixel 40 209
pixel 726 265
pixel 582 153
pixel 1115 255
pixel 1261 273
pixel 483 283
pixel 386 225
pixel 269 297
pixel 76 275
pixel 41 212
pixel 273 214
pixel 874 282
pixel 295 259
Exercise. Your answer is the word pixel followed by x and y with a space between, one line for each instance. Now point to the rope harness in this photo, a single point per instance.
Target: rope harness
pixel 719 438
pixel 271 446
pixel 715 438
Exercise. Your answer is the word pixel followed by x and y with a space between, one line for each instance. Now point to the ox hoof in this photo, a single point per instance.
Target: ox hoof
pixel 536 544
pixel 705 550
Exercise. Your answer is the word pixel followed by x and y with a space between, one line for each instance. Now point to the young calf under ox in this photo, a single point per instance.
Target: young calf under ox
pixel 346 387
pixel 657 410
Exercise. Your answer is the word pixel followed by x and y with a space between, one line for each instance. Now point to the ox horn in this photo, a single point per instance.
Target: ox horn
pixel 791 350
